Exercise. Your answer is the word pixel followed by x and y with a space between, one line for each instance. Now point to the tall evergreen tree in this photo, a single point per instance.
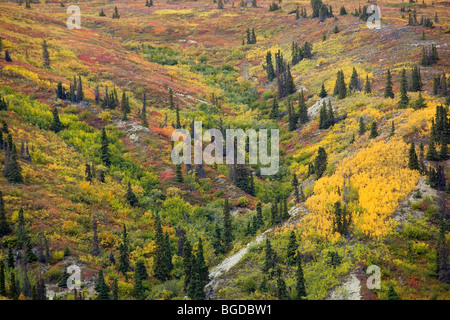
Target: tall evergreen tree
pixel 101 287
pixel 362 126
pixel 373 130
pixel 2 279
pixel 295 185
pixel 188 263
pixel 413 162
pixel 259 216
pixel 45 55
pixel 13 289
pixel 300 288
pixel 320 162
pixel 416 80
pixel 367 87
pixel 323 93
pixel 281 287
pixel 388 93
pixel 131 197
pixel 404 100
pixel 269 67
pixel 14 172
pixel 124 260
pixel 274 111
pixel 4 226
pixel 56 125
pixel 292 247
pixel 227 226
pixel 302 109
pixel 105 157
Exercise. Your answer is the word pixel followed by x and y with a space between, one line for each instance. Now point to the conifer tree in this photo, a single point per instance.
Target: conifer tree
pixel 101 287
pixel 320 162
pixel 4 226
pixel 416 80
pixel 367 87
pixel 80 94
pixel 202 269
pixel 432 154
pixel 274 112
pixel 178 173
pixel 274 214
pixel 227 226
pixel 302 109
pixel 392 294
pixel 144 113
pixel 131 197
pixel 188 261
pixel 13 289
pixel 443 152
pixel 269 262
pixel 105 157
pixel 124 260
pixel 14 172
pixel 269 67
pixel 102 13
pixel 362 126
pixel 45 55
pixel 217 240
pixel 292 117
pixel 388 93
pixel 323 93
pixel 295 185
pixel 373 130
pixel 95 249
pixel 10 259
pixel 323 117
pixel 354 84
pixel 404 100
pixel 7 56
pixel 329 115
pixel 2 279
pixel 281 287
pixel 413 162
pixel 56 125
pixel 300 285
pixel 292 247
pixel 115 290
pixel 259 217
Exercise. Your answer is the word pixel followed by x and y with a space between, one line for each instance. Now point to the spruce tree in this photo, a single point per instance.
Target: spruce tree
pixel 227 226
pixel 329 115
pixel 13 289
pixel 302 109
pixel 274 112
pixel 115 290
pixel 432 154
pixel 354 81
pixel 202 269
pixel 388 93
pixel 7 56
pixel 367 87
pixel 323 93
pixel 269 67
pixel 362 126
pixel 274 218
pixel 413 162
pixel 392 294
pixel 2 279
pixel 404 100
pixel 300 288
pixel 56 125
pixel 320 162
pixel 292 247
pixel 295 185
pixel 45 55
pixel 443 153
pixel 101 287
pixel 416 81
pixel 188 263
pixel 323 117
pixel 268 258
pixel 259 217
pixel 4 226
pixel 217 240
pixel 14 172
pixel 178 174
pixel 131 197
pixel 105 157
pixel 10 259
pixel 124 260
pixel 281 287
pixel 138 278
pixel 373 130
